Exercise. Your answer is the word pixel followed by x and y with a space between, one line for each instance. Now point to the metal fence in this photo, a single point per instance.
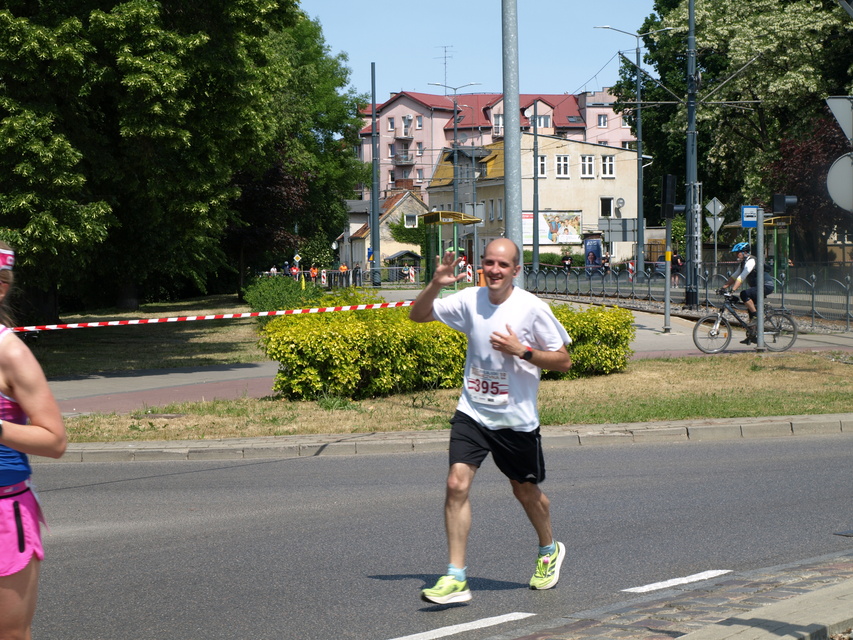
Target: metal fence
pixel 335 279
pixel 823 294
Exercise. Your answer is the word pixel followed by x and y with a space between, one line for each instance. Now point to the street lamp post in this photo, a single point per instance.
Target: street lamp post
pixel 641 240
pixel 455 133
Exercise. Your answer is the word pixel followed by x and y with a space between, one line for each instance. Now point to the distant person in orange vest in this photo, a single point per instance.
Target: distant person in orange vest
pixel 344 271
pixel 313 271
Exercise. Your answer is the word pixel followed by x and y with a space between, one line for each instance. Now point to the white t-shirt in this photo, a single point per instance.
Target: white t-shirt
pixel 500 390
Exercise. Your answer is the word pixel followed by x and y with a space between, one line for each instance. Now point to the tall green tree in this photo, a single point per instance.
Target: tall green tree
pixel 766 67
pixel 48 211
pixel 186 93
pixel 138 134
pixel 300 199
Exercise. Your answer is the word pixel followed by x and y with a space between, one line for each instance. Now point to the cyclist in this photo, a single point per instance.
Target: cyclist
pixel 746 272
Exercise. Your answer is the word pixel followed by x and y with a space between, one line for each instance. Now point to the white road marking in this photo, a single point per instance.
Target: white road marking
pixel 468 626
pixel 696 577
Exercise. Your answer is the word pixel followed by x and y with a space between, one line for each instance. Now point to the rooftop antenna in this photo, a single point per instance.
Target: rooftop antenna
pixel 448 55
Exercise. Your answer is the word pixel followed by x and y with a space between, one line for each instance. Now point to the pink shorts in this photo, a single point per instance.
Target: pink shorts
pixel 20 532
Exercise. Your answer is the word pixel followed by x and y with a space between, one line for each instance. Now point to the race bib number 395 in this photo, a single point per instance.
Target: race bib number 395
pixel 487 387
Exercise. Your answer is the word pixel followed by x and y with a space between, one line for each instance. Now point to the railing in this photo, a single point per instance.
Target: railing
pixel 827 295
pixel 395 277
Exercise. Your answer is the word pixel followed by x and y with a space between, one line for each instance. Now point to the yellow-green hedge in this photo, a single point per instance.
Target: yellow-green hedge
pixel 360 354
pixel 601 340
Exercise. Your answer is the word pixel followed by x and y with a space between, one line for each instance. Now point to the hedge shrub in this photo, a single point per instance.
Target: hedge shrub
pixel 601 340
pixel 278 293
pixel 361 354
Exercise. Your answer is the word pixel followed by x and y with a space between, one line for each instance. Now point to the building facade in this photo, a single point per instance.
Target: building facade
pixel 584 188
pixel 415 129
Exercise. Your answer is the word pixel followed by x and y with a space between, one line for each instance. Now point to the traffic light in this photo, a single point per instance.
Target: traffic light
pixel 781 202
pixel 668 197
pixel 667 205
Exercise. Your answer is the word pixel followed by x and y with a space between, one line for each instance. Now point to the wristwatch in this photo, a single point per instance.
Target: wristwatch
pixel 527 355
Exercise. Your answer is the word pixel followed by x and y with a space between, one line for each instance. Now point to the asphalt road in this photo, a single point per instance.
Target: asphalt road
pixel 339 547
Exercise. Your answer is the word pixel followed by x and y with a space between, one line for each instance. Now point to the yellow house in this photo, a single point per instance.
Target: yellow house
pixel 584 188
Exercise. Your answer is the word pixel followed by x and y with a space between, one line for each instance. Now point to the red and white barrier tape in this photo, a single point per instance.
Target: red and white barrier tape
pixel 218 316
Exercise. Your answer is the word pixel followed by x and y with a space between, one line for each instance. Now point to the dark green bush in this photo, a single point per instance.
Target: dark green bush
pixel 279 293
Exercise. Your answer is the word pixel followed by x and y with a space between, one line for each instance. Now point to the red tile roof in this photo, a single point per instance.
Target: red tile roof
pixel 474 106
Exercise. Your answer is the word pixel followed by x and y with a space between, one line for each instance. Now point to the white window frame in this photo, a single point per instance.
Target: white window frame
pixel 408 218
pixel 587 166
pixel 491 209
pixel 391 178
pixel 392 150
pixel 497 124
pixel 500 208
pixel 391 124
pixel 420 146
pixel 608 167
pixel 419 122
pixel 419 175
pixel 542 166
pixel 562 166
pixel 601 211
pixel 602 120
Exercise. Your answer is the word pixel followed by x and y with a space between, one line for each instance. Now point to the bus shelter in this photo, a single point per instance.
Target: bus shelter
pixel 777 241
pixel 437 242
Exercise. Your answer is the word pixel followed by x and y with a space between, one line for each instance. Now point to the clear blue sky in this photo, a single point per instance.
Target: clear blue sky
pixel 459 42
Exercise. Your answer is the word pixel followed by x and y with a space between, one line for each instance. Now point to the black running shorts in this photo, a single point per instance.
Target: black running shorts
pixel 518 454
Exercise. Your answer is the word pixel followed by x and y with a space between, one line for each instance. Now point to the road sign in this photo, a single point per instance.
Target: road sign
pixel 297 258
pixel 749 216
pixel 839 182
pixel 715 207
pixel 842 109
pixel 714 222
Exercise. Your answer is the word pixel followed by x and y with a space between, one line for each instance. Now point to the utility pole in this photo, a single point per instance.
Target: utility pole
pixel 375 273
pixel 641 222
pixel 455 137
pixel 536 187
pixel 693 211
pixel 512 129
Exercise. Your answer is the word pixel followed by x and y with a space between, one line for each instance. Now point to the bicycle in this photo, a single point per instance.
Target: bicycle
pixel 713 333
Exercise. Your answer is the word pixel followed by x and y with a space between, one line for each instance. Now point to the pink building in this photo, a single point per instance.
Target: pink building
pixel 415 128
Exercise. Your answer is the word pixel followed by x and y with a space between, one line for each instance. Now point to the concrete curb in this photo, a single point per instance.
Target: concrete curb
pixel 430 441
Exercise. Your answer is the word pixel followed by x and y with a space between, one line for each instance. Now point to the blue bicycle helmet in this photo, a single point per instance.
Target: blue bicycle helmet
pixel 741 246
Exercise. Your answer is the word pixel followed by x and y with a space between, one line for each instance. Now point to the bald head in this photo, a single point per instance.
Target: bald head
pixel 505 247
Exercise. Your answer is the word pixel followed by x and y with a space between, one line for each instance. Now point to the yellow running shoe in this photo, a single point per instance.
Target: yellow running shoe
pixel 447 591
pixel 548 569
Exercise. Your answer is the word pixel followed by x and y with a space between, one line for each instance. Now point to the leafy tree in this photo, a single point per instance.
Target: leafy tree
pixel 765 68
pixel 317 251
pixel 48 212
pixel 314 168
pixel 802 169
pixel 138 133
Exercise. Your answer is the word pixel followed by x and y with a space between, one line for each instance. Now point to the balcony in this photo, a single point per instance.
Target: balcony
pixel 403 159
pixel 406 133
